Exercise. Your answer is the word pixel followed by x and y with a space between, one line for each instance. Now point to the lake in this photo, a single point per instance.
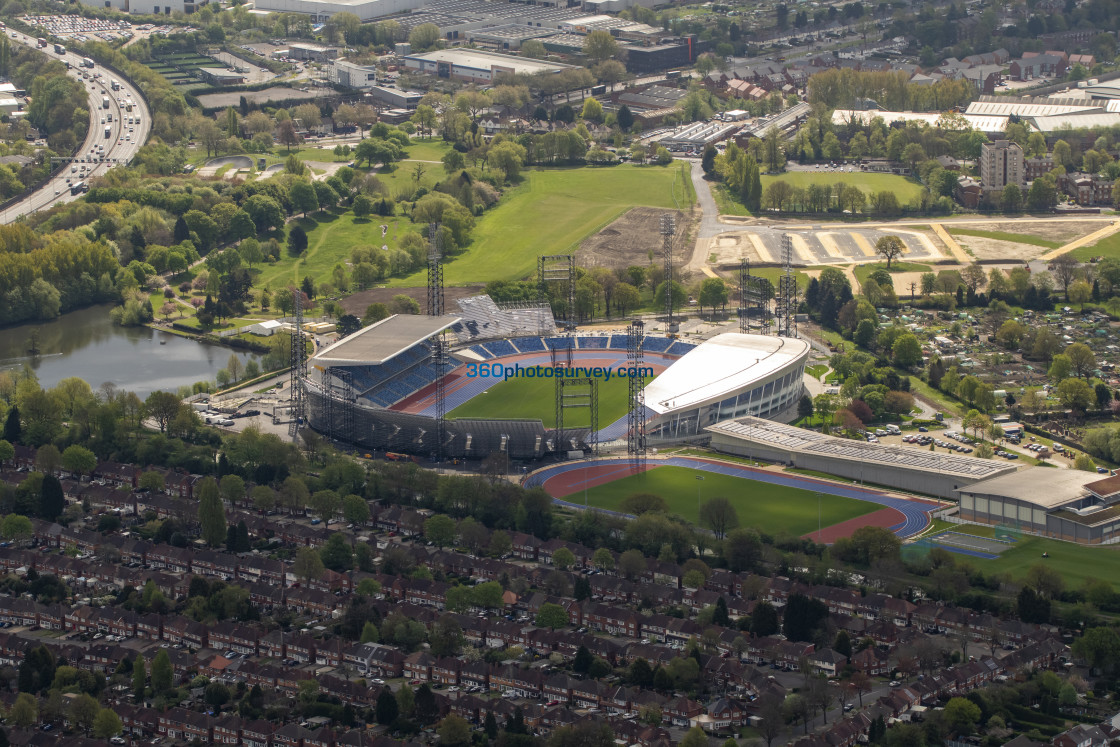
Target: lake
pixel 88 345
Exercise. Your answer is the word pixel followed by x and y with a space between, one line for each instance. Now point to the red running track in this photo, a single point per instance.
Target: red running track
pixel 884 517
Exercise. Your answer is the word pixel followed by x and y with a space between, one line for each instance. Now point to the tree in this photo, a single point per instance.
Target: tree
pixel 78 460
pixel 552 616
pixel 162 407
pixel 287 135
pixel 600 46
pixel 355 509
pixel 713 293
pixel 1082 359
pixel 906 351
pixel 962 715
pixel 308 565
pixel 24 711
pixel 1079 293
pixel 162 672
pixel 632 564
pixel 696 737
pixel 563 559
pixel 337 554
pixel 720 516
pixel 742 549
pixel 211 512
pixel 454 731
pixel 1100 647
pixel 424 37
pixel 387 709
pixel 303 197
pixel 139 679
pixel 889 247
pixel 1075 394
pixel 440 530
pixel 297 241
pixel 106 724
pixel 52 500
pixel 603 560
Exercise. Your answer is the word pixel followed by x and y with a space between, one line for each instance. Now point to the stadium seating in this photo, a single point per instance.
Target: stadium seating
pixel 528 344
pixel 679 348
pixel 482 319
pixel 656 344
pixel 500 348
pixel 592 343
pixel 479 350
pixel 618 342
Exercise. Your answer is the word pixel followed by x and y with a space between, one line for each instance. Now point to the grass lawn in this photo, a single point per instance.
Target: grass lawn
pixel 524 398
pixel 551 212
pixel 1018 238
pixel 817 371
pixel 1076 563
pixel 774 509
pixel 330 237
pixel 863 272
pixel 423 149
pixel 1109 246
pixel 904 188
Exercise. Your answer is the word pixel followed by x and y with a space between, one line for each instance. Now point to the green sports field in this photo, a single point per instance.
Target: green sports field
pixel 774 509
pixel 905 189
pixel 524 398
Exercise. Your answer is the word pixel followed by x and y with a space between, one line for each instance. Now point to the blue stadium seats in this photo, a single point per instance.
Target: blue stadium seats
pixel 592 343
pixel 528 344
pixel 656 344
pixel 500 348
pixel 481 351
pixel 679 348
pixel 618 342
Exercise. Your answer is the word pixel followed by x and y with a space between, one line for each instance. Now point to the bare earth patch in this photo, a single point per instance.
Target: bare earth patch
pixel 988 249
pixel 1063 231
pixel 628 240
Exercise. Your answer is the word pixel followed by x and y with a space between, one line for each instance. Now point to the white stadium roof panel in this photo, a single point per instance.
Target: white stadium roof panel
pixel 727 363
pixel 382 341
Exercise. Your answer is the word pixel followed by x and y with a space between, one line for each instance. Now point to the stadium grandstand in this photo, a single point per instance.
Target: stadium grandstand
pixel 378 388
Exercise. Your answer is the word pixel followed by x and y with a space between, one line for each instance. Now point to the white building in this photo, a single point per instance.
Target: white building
pixel 322 10
pixel 474 66
pixel 728 376
pixel 147 7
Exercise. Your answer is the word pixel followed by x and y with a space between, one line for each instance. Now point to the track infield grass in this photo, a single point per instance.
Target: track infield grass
pixel 773 509
pixel 529 399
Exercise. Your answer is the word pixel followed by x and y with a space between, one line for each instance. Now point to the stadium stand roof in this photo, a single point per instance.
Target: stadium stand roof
pixel 726 363
pixel 1039 486
pixel 382 341
pixel 791 439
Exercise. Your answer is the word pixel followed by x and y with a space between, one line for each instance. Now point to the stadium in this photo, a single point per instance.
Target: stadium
pixel 379 388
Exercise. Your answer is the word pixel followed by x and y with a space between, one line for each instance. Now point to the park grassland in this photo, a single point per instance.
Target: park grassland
pixel 551 212
pixel 905 188
pixel 330 237
pixel 1109 246
pixel 773 509
pixel 532 399
pixel 1077 564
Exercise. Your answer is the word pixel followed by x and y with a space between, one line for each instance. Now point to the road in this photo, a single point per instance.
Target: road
pixel 117 148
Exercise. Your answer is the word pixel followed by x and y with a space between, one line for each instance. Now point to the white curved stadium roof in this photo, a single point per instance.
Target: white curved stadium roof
pixel 727 363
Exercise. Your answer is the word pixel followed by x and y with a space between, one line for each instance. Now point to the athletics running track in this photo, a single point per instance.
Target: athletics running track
pixel 904 517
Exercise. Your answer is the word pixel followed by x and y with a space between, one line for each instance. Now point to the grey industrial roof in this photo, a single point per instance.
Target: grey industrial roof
pixel 1041 486
pixel 382 341
pixel 769 433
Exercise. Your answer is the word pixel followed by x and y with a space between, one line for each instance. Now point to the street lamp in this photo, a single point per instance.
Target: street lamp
pixel 699 484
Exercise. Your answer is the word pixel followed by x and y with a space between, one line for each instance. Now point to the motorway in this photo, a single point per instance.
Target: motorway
pixel 117 148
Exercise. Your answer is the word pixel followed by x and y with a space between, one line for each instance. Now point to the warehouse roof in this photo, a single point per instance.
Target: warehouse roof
pixel 789 438
pixel 1039 486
